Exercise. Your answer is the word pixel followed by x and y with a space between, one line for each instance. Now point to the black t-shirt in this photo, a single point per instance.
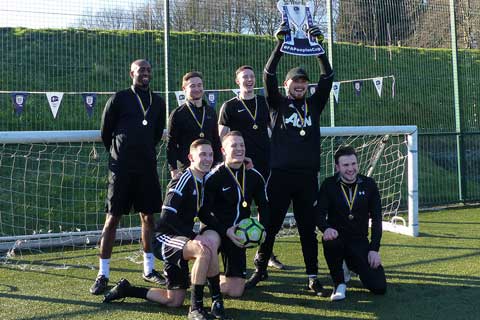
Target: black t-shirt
pixel 222 205
pixel 234 115
pixel 131 144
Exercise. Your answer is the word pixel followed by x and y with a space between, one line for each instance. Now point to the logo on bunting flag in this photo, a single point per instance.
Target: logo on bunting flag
pixel 299 18
pixel 357 86
pixel 378 82
pixel 181 98
pixel 54 100
pixel 261 91
pixel 19 100
pixel 212 97
pixel 336 90
pixel 89 99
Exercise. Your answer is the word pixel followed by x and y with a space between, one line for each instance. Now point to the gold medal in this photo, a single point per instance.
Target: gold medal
pixel 201 135
pixel 244 204
pixel 350 217
pixel 144 122
pixel 302 132
pixel 255 127
pixel 196 219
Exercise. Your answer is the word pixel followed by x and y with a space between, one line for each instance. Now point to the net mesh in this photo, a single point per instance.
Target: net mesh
pixel 52 195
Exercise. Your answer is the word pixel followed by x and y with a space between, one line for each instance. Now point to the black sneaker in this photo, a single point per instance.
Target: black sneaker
pixel 117 292
pixel 218 310
pixel 275 263
pixel 154 277
pixel 256 277
pixel 100 285
pixel 199 314
pixel 315 286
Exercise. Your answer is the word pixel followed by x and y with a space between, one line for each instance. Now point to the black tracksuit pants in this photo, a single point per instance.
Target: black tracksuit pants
pixel 355 254
pixel 301 189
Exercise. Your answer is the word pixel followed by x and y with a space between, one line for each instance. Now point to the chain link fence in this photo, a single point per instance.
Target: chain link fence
pixel 425 51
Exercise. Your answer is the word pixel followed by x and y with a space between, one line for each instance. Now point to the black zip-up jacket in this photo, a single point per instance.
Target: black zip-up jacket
pixel 180 206
pixel 289 150
pixel 183 130
pixel 131 144
pixel 222 206
pixel 333 210
pixel 257 142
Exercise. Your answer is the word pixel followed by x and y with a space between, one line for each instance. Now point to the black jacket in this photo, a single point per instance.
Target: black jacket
pixel 333 210
pixel 131 144
pixel 289 150
pixel 183 130
pixel 180 206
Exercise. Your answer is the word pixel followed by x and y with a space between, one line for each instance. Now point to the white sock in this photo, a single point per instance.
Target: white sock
pixel 148 262
pixel 104 268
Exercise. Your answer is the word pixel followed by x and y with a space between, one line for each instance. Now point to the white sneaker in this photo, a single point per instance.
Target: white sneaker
pixel 346 273
pixel 339 293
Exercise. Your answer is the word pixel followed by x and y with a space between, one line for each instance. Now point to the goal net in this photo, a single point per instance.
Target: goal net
pixel 53 186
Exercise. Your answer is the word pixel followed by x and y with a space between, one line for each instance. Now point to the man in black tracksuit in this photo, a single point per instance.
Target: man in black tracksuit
pixel 249 114
pixel 229 191
pixel 295 157
pixel 195 119
pixel 176 243
pixel 132 125
pixel 346 202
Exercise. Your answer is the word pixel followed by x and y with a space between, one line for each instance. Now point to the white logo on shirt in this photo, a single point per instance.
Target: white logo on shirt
pixel 241 110
pixel 225 189
pixel 295 121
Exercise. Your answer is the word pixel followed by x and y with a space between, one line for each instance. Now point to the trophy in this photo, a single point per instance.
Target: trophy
pixel 299 18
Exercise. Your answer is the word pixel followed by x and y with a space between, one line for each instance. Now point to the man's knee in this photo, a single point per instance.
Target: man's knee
pixel 111 223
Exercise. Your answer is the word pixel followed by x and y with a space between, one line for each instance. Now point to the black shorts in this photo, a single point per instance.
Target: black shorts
pixel 234 259
pixel 127 190
pixel 169 249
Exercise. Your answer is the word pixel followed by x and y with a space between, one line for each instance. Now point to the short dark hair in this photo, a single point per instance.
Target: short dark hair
pixel 241 68
pixel 199 142
pixel 233 133
pixel 191 74
pixel 345 151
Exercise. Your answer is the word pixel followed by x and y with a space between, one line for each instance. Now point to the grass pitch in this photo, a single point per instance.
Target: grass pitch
pixel 435 276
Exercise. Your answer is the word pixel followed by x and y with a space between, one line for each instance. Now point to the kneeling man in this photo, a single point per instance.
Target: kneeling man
pixel 176 243
pixel 346 202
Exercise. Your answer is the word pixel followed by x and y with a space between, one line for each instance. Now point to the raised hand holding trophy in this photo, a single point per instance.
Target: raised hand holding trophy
pixel 299 19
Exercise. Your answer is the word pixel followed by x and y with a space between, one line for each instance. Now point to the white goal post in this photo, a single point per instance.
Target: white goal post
pixel 53 183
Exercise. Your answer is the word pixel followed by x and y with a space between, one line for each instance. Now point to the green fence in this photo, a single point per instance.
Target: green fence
pixel 83 46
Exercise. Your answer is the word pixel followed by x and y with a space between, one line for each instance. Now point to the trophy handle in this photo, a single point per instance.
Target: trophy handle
pixel 280 5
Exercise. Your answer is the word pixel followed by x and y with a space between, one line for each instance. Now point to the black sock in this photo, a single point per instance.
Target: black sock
pixel 214 285
pixel 196 297
pixel 136 292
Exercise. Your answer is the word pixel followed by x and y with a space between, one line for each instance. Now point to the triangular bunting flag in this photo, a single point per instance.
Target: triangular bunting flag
pixel 378 82
pixel 336 90
pixel 312 88
pixel 236 91
pixel 357 86
pixel 181 99
pixel 54 99
pixel 212 97
pixel 89 99
pixel 261 91
pixel 19 100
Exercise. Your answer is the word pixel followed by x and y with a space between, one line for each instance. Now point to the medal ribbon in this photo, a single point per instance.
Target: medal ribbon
pixel 305 112
pixel 349 199
pixel 240 186
pixel 199 192
pixel 200 124
pixel 140 103
pixel 253 116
